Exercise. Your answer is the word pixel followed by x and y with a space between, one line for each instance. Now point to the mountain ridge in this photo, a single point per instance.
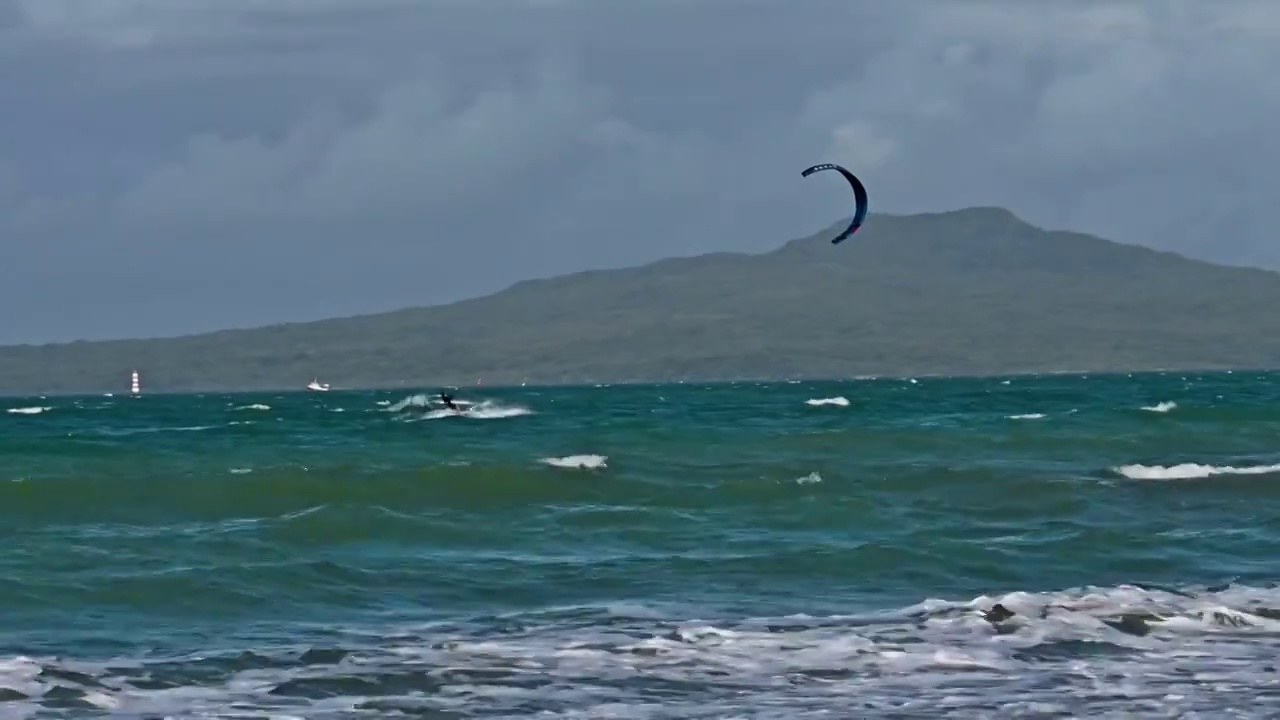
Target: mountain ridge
pixel 961 292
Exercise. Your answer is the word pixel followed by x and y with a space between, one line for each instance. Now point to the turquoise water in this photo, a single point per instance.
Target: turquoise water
pixel 788 550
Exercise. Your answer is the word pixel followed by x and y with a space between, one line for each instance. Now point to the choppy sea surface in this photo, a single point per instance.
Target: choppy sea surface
pixel 1035 547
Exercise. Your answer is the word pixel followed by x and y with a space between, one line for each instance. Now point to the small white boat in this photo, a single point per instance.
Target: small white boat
pixel 318 386
pixel 134 386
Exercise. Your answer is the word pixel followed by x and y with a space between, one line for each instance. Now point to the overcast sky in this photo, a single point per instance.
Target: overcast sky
pixel 174 166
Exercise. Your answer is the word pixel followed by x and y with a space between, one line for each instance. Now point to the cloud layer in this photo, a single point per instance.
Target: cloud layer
pixel 174 166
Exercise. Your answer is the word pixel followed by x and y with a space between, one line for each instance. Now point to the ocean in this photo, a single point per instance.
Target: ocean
pixel 1020 547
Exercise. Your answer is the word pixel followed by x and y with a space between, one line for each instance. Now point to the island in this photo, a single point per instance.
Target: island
pixel 975 291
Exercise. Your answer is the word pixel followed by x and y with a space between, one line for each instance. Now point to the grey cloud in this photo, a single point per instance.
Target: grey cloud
pixel 180 165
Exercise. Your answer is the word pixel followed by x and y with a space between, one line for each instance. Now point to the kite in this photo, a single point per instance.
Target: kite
pixel 859 194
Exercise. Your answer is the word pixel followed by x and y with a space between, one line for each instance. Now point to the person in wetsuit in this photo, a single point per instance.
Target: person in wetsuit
pixel 447 399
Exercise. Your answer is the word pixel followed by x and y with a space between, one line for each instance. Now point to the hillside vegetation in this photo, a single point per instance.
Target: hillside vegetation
pixel 973 291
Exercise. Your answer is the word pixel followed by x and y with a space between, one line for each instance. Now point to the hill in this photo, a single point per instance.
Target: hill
pixel 973 291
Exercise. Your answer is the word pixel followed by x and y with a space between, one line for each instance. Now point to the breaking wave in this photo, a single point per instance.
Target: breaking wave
pixel 1128 651
pixel 578 462
pixel 1190 471
pixel 33 410
pixel 836 401
pixel 483 410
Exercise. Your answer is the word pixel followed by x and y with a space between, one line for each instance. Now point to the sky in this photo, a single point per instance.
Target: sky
pixel 177 166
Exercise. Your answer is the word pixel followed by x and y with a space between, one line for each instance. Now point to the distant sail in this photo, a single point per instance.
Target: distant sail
pixel 134 386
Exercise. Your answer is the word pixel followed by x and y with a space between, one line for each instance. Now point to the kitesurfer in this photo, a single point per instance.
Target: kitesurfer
pixel 447 399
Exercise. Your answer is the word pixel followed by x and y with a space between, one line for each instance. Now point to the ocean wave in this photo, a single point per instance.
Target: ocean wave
pixel 483 410
pixel 840 401
pixel 1190 471
pixel 32 410
pixel 809 479
pixel 579 462
pixel 486 410
pixel 1130 650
